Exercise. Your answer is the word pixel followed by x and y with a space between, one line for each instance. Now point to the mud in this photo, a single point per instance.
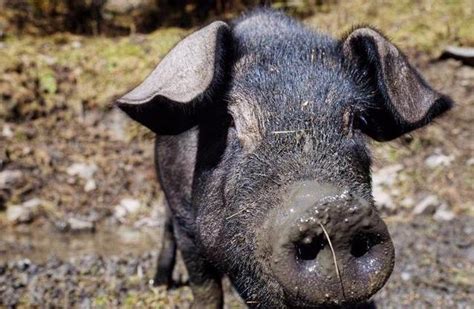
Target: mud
pixel 433 269
pixel 56 113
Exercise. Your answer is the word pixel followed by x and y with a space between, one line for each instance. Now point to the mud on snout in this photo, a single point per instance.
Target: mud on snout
pixel 326 247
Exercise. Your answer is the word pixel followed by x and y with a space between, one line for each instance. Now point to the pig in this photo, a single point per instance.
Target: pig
pixel 261 149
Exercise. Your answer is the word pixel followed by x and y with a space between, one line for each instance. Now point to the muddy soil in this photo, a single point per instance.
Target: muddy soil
pixel 91 232
pixel 433 270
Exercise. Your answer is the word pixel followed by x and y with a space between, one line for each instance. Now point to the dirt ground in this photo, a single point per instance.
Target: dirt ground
pixel 81 211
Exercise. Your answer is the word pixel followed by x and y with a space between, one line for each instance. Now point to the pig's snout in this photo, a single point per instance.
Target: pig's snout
pixel 329 247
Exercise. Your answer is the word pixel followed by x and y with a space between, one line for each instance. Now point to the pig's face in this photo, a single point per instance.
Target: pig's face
pixel 296 163
pixel 282 179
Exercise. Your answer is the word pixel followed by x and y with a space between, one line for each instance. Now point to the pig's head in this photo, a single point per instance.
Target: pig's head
pixel 282 186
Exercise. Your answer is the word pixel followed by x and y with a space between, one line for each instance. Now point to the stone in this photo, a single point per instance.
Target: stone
pixel 10 178
pixel 119 212
pixel 82 170
pixel 116 123
pixel 125 207
pixel 147 222
pixel 17 214
pixel 427 206
pixel 130 205
pixel 444 214
pixel 7 131
pixel 382 198
pixel 408 202
pixel 80 225
pixel 406 276
pixel 438 159
pixel 386 176
pixel 90 185
pixel 24 213
pixel 470 162
pixel 461 53
pixel 121 7
pixel 76 44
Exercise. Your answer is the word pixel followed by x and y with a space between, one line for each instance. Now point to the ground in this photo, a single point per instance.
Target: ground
pixel 81 211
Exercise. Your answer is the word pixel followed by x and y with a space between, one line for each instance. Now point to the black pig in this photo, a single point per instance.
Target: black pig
pixel 261 151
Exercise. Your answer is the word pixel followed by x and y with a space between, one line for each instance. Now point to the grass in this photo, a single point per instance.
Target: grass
pixel 153 298
pixel 92 66
pixel 40 75
pixel 101 68
pixel 70 73
pixel 422 25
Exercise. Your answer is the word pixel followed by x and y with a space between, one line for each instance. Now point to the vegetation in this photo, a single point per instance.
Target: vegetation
pixel 62 65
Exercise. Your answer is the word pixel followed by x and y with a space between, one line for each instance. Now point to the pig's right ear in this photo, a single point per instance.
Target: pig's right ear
pixel 170 99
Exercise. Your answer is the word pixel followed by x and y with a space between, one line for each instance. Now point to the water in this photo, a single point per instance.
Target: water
pixel 39 243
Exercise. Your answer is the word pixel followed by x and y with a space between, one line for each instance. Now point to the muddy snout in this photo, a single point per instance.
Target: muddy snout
pixel 329 247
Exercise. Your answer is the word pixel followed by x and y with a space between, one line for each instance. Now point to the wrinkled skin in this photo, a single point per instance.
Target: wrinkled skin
pixel 285 110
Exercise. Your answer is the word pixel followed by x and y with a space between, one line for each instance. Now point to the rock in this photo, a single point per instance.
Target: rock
pixel 126 206
pixel 90 185
pixel 382 198
pixel 382 179
pixel 76 44
pixel 82 170
pixel 10 178
pixel 130 205
pixel 444 214
pixel 147 222
pixel 24 213
pixel 407 202
pixel 80 225
pixel 129 14
pixel 431 205
pixel 16 214
pixel 116 122
pixel 438 159
pixel 61 225
pixel 463 54
pixel 427 206
pixel 121 7
pixel 86 303
pixel 406 276
pixel 470 162
pixel 86 172
pixel 23 264
pixel 119 212
pixel 386 176
pixel 7 131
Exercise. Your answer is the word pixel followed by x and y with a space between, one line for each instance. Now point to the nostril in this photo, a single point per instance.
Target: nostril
pixel 309 248
pixel 362 243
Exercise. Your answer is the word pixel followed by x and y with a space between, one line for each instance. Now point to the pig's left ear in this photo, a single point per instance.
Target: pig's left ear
pixel 403 99
pixel 184 84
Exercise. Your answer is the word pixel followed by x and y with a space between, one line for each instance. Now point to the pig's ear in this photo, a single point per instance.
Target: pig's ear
pixel 403 100
pixel 170 99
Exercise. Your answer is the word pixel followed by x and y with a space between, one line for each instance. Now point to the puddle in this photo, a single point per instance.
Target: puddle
pixel 38 244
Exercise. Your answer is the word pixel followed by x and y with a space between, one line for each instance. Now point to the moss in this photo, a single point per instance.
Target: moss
pixel 102 301
pixel 43 71
pixel 423 25
pixel 76 73
pixel 146 300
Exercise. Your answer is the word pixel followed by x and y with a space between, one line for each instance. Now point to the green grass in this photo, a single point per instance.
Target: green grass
pixel 423 25
pixel 101 68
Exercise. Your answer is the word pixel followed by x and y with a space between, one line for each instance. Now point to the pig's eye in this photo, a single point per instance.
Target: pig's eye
pixel 348 121
pixel 353 121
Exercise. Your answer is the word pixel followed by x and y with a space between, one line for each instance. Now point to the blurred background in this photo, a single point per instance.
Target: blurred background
pixel 80 209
